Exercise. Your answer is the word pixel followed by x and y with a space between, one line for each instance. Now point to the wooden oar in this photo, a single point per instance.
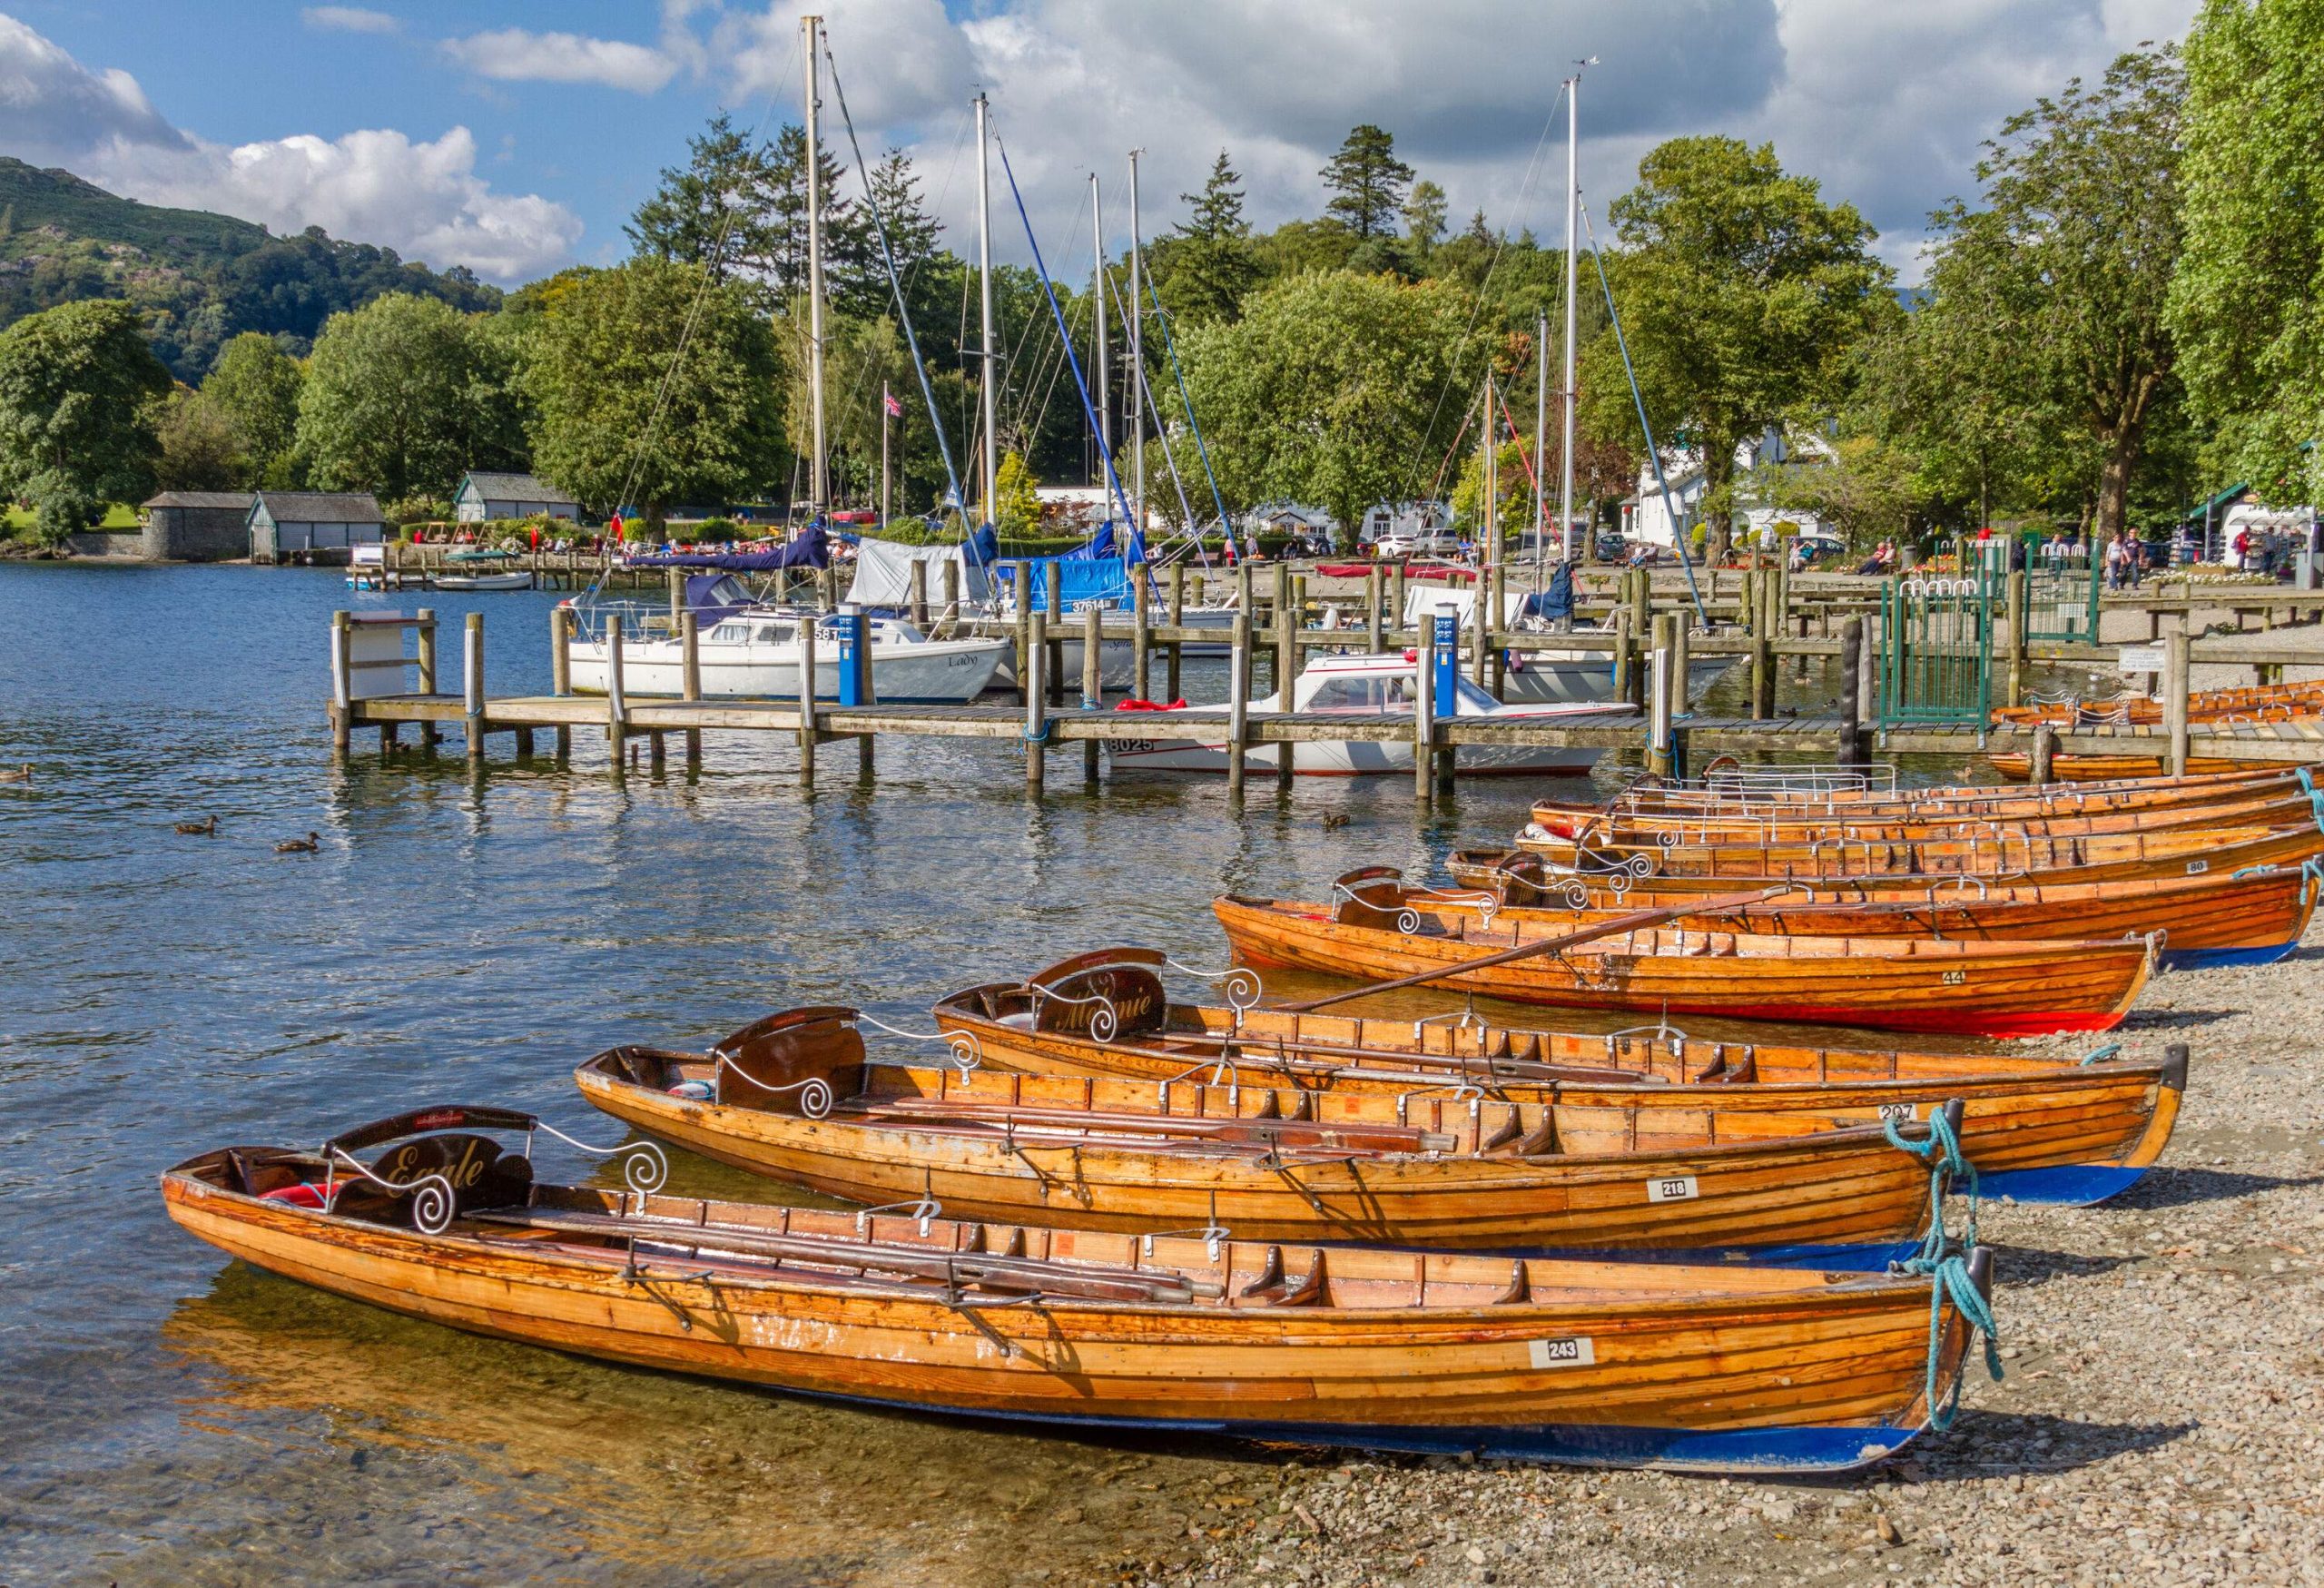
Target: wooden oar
pixel 1548 945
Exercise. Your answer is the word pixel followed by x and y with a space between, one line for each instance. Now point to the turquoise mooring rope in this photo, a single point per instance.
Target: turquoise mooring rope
pixel 2100 1055
pixel 1943 1262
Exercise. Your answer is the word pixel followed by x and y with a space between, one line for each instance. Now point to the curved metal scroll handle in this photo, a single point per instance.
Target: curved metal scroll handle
pixel 643 1167
pixel 432 1199
pixel 1239 982
pixel 968 1052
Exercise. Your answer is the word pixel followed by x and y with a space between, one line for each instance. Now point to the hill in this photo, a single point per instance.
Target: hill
pixel 198 279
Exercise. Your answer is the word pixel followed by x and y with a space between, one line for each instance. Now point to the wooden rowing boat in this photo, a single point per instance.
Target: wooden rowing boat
pixel 2018 767
pixel 1886 983
pixel 1655 797
pixel 793 1097
pixel 2253 917
pixel 2038 1129
pixel 1997 856
pixel 2250 702
pixel 1605 1363
pixel 2266 807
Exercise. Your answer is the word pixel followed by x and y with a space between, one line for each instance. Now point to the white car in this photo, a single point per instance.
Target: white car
pixel 1417 543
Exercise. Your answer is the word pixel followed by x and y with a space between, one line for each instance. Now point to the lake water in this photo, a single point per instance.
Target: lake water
pixel 168 1416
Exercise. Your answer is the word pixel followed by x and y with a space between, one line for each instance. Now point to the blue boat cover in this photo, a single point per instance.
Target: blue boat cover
pixel 1557 601
pixel 812 549
pixel 1092 572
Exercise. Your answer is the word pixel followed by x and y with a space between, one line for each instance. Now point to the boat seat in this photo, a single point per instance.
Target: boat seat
pixel 1020 1019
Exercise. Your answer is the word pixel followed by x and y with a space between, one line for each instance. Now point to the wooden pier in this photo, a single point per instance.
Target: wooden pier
pixel 376 684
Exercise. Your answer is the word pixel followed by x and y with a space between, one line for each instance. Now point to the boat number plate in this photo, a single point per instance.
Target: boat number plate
pixel 1898 1113
pixel 2196 868
pixel 1673 1188
pixel 1954 977
pixel 1573 1351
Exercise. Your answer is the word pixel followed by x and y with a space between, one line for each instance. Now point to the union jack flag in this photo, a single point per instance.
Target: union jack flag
pixel 887 398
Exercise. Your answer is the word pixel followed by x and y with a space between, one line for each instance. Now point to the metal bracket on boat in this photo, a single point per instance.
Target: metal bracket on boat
pixel 1240 983
pixel 927 1211
pixel 1224 1065
pixel 815 1096
pixel 1661 1031
pixel 643 1166
pixel 967 1053
pixel 432 1199
pixel 1959 882
pixel 1215 1235
pixel 1460 1023
pixel 1464 1092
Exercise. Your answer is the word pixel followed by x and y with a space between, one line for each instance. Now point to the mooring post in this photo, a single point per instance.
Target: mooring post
pixel 919 589
pixel 1173 652
pixel 1036 726
pixel 1641 595
pixel 472 685
pixel 1055 608
pixel 950 617
pixel 1661 673
pixel 343 681
pixel 690 678
pixel 1372 609
pixel 1244 604
pixel 560 671
pixel 1681 658
pixel 2013 636
pixel 1396 596
pixel 1852 693
pixel 1141 632
pixel 1023 576
pixel 426 627
pixel 1623 688
pixel 677 596
pixel 1238 703
pixel 2174 694
pixel 1424 715
pixel 616 707
pixel 1763 646
pixel 1093 681
pixel 1496 628
pixel 808 731
pixel 2045 754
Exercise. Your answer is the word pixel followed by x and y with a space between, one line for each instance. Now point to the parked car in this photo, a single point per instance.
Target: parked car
pixel 1399 543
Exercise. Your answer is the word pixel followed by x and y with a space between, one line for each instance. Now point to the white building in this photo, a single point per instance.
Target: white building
pixel 1647 515
pixel 485 497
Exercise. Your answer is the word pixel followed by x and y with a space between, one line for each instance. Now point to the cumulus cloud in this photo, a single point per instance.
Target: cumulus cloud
pixel 511 55
pixel 349 19
pixel 421 197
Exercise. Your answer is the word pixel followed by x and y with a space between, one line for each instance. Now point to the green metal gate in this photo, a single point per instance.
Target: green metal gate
pixel 1936 638
pixel 2061 597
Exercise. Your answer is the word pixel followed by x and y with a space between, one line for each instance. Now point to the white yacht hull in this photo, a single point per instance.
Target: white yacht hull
pixel 1587 679
pixel 938 673
pixel 1350 758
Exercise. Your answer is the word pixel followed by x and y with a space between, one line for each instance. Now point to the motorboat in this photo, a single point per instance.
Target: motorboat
pixel 1532 677
pixel 1368 688
pixel 480 569
pixel 753 653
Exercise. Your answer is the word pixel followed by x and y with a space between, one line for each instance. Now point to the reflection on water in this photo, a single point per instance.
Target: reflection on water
pixel 167 1416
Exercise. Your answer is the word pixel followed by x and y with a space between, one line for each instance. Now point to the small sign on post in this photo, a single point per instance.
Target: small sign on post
pixel 2141 658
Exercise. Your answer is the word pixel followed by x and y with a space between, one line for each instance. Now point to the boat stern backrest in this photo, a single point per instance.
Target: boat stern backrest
pixel 479 1171
pixel 1372 895
pixel 778 1056
pixel 1103 996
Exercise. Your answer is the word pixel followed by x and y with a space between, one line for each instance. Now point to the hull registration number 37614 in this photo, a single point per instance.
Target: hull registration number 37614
pixel 1671 1188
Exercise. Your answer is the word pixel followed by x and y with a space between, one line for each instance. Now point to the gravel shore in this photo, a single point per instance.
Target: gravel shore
pixel 2158 1426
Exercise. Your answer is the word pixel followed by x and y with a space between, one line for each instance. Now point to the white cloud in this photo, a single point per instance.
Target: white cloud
pixel 349 19
pixel 511 55
pixel 422 198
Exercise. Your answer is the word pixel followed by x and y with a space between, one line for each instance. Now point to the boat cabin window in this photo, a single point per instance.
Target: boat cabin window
pixel 729 591
pixel 1473 697
pixel 1363 694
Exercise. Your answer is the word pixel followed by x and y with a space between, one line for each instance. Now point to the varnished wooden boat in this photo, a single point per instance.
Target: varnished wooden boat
pixel 793 1097
pixel 2018 767
pixel 1997 856
pixel 2038 1129
pixel 2250 702
pixel 1608 1363
pixel 2250 917
pixel 2268 805
pixel 1655 797
pixel 1885 983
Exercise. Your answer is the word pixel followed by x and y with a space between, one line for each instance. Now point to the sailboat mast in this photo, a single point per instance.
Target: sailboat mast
pixel 986 362
pixel 1488 480
pixel 1541 438
pixel 1097 300
pixel 1573 263
pixel 1137 364
pixel 812 27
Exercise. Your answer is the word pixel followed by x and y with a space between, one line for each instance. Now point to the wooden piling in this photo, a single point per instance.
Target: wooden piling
pixel 2045 753
pixel 1238 702
pixel 2174 696
pixel 342 682
pixel 1023 576
pixel 1424 719
pixel 1852 693
pixel 472 685
pixel 807 729
pixel 1055 660
pixel 560 670
pixel 690 678
pixel 1623 687
pixel 1372 609
pixel 1396 596
pixel 1172 653
pixel 677 596
pixel 1763 644
pixel 1681 649
pixel 1036 726
pixel 429 733
pixel 919 595
pixel 952 593
pixel 1093 681
pixel 616 707
pixel 1659 733
pixel 1497 620
pixel 1141 633
pixel 2013 623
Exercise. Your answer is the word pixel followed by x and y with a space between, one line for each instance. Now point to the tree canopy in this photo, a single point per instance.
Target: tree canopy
pixel 255 386
pixel 79 391
pixel 1367 181
pixel 403 396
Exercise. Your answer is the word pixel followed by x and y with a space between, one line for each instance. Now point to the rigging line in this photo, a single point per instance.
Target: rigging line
pixel 1509 420
pixel 895 284
pixel 1669 502
pixel 693 316
pixel 1170 459
pixel 1104 451
pixel 1030 419
pixel 1476 306
pixel 1178 375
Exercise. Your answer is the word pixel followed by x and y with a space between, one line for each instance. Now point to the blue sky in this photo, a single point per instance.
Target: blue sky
pixel 517 137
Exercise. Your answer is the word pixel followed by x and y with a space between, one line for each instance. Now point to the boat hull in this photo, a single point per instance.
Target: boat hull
pixel 1998 990
pixel 940 672
pixel 1734 1370
pixel 1349 758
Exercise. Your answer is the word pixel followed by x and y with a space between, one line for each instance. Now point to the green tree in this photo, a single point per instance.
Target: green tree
pixel 1206 264
pixel 1327 390
pixel 1367 181
pixel 1512 490
pixel 1019 511
pixel 1742 293
pixel 255 384
pixel 1867 488
pixel 2054 294
pixel 2248 303
pixel 200 445
pixel 636 411
pixel 79 392
pixel 401 395
pixel 712 210
pixel 1424 217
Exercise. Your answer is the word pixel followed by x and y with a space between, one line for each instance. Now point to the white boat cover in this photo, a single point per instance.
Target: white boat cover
pixel 883 573
pixel 1429 600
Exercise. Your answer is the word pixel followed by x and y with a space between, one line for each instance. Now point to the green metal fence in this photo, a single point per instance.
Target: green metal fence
pixel 1936 638
pixel 2062 597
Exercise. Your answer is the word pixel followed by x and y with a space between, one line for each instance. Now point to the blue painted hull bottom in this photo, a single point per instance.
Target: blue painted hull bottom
pixel 2073 1185
pixel 1798 1450
pixel 2199 959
